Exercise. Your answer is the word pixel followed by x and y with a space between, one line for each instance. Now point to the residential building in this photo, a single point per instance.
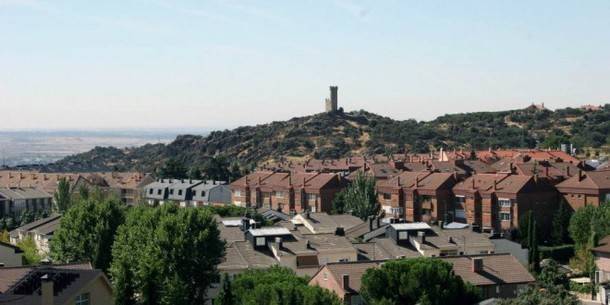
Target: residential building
pixel 250 247
pixel 16 200
pixel 78 284
pixel 10 255
pixel 497 275
pixel 125 185
pixel 187 192
pixel 400 240
pixel 41 231
pixel 287 192
pixel 417 196
pixel 322 223
pixel 586 188
pixel 495 202
pixel 602 263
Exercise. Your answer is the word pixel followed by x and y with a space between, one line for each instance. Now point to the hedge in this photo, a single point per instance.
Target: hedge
pixel 561 254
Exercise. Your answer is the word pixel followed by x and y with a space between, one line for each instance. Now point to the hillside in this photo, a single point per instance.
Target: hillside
pixel 341 134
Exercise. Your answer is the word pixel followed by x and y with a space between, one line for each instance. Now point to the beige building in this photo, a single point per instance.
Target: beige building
pixel 41 231
pixel 76 284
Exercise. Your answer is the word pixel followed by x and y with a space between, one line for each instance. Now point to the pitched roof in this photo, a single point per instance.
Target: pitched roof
pixel 11 275
pixel 497 269
pixel 417 180
pixel 272 180
pixel 593 180
pixel 41 224
pixel 603 245
pixel 355 271
pixel 15 248
pixel 484 183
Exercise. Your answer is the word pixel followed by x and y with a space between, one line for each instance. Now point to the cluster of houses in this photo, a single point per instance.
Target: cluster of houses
pixel 454 206
pixel 489 190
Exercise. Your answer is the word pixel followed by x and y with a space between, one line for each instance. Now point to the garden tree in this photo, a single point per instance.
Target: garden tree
pixel 588 219
pixel 62 196
pixel 83 192
pixel 4 236
pixel 165 255
pixel 30 251
pixel 416 281
pixel 226 295
pixel 277 285
pixel 194 173
pixel 533 258
pixel 87 232
pixel 586 222
pixel 561 221
pixel 524 222
pixel 339 203
pixel 591 266
pixel 172 168
pixel 361 197
pixel 551 276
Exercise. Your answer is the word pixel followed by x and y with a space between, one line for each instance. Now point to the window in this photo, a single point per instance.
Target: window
pixel 396 211
pixel 311 197
pixel 202 193
pixel 325 276
pixel 260 241
pixel 404 235
pixel 504 202
pixel 504 216
pixel 459 200
pixel 237 193
pixel 171 191
pixel 159 192
pixel 179 192
pixel 82 299
pixel 279 194
pixel 150 191
pixel 387 196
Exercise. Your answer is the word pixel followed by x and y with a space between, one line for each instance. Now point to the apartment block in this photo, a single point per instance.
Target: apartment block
pixel 287 192
pixel 417 196
pixel 495 202
pixel 586 188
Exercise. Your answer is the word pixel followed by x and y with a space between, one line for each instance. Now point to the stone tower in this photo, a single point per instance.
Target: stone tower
pixel 331 103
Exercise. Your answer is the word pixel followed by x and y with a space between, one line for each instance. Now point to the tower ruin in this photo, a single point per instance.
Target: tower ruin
pixel 331 103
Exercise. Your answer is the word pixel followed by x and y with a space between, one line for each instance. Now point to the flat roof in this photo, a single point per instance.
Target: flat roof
pixel 269 231
pixel 411 226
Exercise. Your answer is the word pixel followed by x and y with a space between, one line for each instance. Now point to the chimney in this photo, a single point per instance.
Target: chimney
pixel 307 214
pixel 546 171
pixel 340 231
pixel 378 221
pixel 495 184
pixel 536 178
pixel 567 171
pixel 279 242
pixel 345 281
pixel 450 240
pixel 580 175
pixel 421 236
pixel 473 183
pixel 46 290
pixel 371 220
pixel 477 264
pixel 440 224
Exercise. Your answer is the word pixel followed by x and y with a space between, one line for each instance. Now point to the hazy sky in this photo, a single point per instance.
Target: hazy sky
pixel 163 63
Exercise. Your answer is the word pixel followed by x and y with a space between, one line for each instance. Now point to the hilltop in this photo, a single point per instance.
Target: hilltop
pixel 339 134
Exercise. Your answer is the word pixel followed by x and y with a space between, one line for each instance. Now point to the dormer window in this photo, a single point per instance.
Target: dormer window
pixel 179 192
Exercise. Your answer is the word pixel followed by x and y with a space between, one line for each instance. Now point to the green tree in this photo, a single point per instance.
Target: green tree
pixel 31 255
pixel 172 168
pixel 533 258
pixel 416 281
pixel 339 203
pixel 226 296
pixel 62 196
pixel 87 232
pixel 586 223
pixel 561 221
pixel 165 255
pixel 361 197
pixel 83 192
pixel 278 285
pixel 4 236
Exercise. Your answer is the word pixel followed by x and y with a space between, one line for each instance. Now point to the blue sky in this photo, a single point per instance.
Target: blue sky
pixel 216 64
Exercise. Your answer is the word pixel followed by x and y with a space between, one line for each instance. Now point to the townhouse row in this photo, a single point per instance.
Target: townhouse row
pixel 490 202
